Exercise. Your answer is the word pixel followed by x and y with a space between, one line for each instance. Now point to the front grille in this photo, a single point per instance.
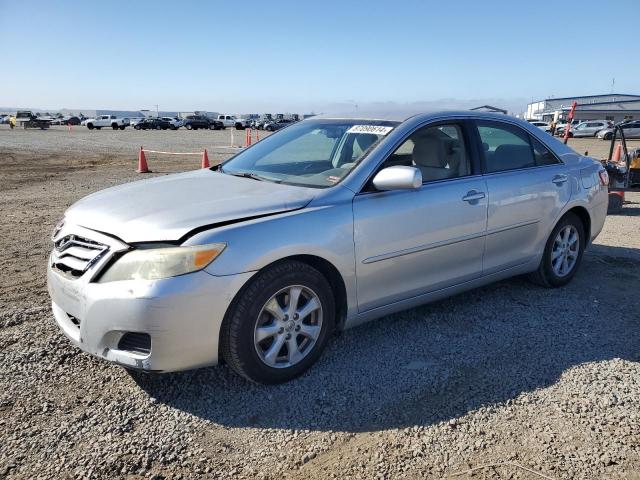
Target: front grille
pixel 73 255
pixel 135 343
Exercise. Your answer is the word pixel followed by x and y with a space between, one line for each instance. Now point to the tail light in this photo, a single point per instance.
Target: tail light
pixel 604 178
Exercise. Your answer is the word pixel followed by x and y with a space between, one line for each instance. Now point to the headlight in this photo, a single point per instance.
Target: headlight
pixel 155 263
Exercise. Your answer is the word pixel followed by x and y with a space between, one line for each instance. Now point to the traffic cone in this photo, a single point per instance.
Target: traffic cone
pixel 205 159
pixel 142 163
pixel 257 135
pixel 617 153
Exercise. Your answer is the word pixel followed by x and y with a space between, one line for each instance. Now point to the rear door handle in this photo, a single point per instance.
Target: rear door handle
pixel 473 196
pixel 560 179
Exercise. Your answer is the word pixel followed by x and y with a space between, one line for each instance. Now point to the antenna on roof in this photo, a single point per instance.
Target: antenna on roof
pixel 613 84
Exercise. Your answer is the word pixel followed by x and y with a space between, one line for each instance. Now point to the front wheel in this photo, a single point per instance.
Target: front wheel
pixel 122 127
pixel 562 254
pixel 188 126
pixel 279 323
pixel 90 126
pixel 114 126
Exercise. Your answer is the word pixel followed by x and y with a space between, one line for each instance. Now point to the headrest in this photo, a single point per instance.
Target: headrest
pixel 428 151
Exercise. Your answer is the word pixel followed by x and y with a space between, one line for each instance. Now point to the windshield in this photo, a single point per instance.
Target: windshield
pixel 316 153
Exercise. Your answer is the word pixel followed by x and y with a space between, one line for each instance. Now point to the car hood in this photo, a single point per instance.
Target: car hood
pixel 168 208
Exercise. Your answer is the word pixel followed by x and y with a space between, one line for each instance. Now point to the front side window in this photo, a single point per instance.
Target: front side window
pixel 316 153
pixel 438 151
pixel 505 147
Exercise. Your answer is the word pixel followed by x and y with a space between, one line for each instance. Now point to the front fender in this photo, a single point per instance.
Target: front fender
pixel 322 231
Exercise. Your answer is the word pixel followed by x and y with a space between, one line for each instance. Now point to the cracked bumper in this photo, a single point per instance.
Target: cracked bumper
pixel 182 315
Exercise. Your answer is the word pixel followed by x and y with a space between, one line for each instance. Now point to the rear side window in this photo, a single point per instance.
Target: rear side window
pixel 505 147
pixel 542 154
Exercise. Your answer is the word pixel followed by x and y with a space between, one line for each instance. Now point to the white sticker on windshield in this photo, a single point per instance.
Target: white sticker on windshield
pixel 373 129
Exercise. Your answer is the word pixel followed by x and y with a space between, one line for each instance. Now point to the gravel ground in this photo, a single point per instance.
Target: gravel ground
pixel 507 381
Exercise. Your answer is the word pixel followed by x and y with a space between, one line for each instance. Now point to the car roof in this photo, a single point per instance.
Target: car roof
pixel 403 115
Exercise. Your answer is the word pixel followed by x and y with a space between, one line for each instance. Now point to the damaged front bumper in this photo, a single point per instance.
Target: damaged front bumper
pixel 161 325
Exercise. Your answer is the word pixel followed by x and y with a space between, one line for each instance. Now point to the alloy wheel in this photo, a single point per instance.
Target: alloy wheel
pixel 288 326
pixel 565 250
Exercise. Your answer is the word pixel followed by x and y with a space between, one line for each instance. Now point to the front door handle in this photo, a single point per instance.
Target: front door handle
pixel 560 179
pixel 473 196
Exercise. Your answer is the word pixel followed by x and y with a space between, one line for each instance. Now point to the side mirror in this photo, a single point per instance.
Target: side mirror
pixel 398 178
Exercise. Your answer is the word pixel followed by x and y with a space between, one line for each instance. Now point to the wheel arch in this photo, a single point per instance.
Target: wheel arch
pixel 326 268
pixel 584 216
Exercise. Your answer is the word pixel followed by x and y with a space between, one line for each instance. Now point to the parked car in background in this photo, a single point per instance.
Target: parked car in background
pixel 234 122
pixel 152 124
pixel 278 124
pixel 194 122
pixel 320 227
pixel 174 122
pixel 589 128
pixel 71 120
pixel 544 126
pixel 560 128
pixel 135 120
pixel 631 129
pixel 107 121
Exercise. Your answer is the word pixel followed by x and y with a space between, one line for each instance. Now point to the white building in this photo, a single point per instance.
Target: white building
pixel 615 107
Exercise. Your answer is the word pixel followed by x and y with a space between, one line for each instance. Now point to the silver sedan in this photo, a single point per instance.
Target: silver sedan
pixel 329 223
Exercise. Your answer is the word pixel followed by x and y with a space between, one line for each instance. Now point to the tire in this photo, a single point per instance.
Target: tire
pixel 188 126
pixel 607 136
pixel 158 127
pixel 239 126
pixel 122 127
pixel 246 355
pixel 90 126
pixel 212 127
pixel 137 127
pixel 114 126
pixel 546 275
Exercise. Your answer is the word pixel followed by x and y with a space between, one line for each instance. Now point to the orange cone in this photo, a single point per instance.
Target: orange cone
pixel 205 159
pixel 142 163
pixel 617 153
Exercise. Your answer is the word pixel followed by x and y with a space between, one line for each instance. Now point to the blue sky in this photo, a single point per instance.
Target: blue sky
pixel 301 56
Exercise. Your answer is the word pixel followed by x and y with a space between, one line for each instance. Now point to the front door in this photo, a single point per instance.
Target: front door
pixel 412 242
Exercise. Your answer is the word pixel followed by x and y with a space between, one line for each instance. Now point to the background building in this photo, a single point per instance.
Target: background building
pixel 615 107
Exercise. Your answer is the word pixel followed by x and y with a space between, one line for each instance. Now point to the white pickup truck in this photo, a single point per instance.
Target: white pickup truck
pixel 107 121
pixel 233 121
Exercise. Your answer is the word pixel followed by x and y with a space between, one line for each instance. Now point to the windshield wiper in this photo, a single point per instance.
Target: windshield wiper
pixel 250 175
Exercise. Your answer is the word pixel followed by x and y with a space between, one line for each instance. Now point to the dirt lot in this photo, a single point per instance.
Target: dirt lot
pixel 527 382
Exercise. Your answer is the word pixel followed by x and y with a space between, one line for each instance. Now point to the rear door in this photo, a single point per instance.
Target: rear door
pixel 527 187
pixel 411 242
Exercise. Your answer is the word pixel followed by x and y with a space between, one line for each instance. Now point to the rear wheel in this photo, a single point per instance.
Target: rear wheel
pixel 122 127
pixel 158 127
pixel 114 126
pixel 90 126
pixel 278 325
pixel 562 254
pixel 137 127
pixel 188 126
